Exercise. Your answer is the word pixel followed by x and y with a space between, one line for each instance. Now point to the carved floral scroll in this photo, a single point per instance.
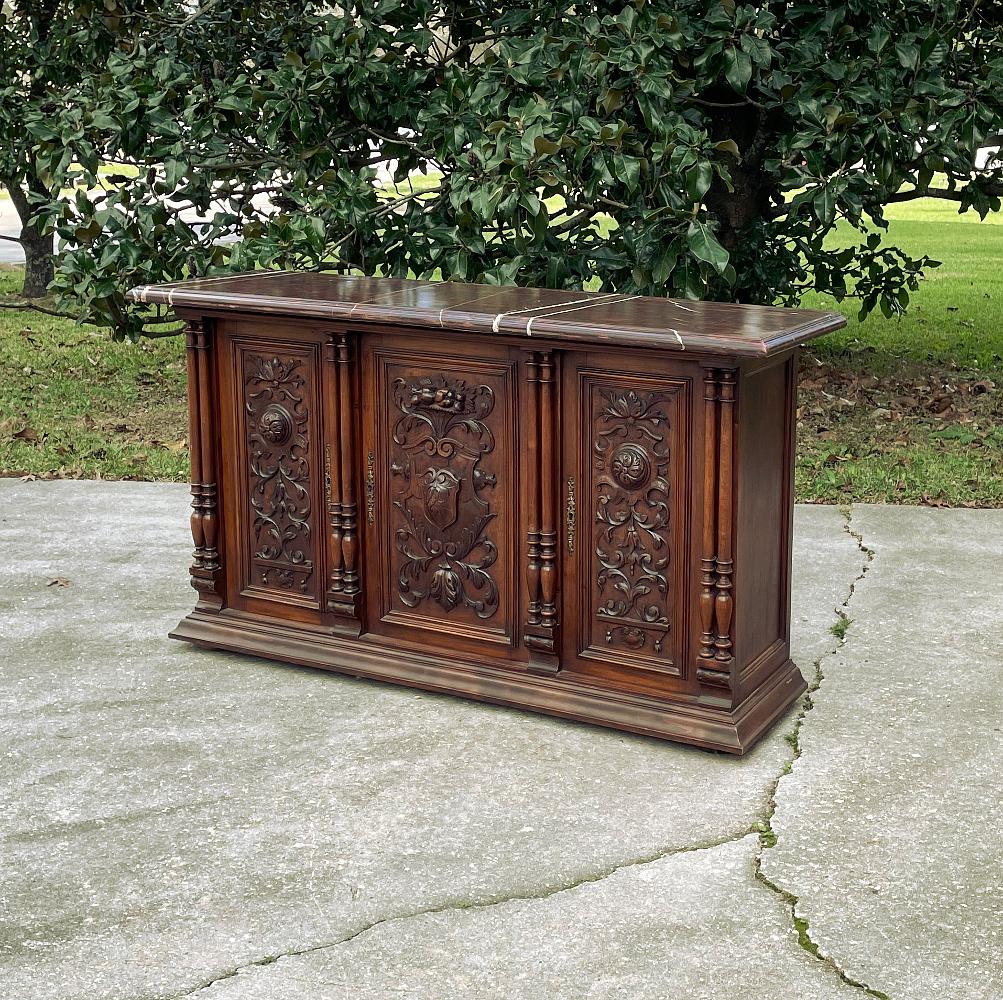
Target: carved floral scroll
pixel 631 513
pixel 277 422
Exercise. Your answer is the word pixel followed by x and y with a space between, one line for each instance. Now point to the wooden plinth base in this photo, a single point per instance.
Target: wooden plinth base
pixel 730 731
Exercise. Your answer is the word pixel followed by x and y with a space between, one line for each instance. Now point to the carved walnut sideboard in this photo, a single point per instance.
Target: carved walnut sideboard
pixel 574 503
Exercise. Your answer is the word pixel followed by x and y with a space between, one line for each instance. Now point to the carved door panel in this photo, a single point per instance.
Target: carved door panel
pixel 626 478
pixel 273 472
pixel 441 493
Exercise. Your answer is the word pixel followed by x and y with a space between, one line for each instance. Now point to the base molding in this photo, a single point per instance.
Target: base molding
pixel 732 731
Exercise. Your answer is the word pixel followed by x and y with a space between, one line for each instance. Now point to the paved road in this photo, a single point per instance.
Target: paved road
pixel 10 225
pixel 182 823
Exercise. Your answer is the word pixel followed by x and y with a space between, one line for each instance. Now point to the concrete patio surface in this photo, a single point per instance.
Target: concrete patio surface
pixel 185 823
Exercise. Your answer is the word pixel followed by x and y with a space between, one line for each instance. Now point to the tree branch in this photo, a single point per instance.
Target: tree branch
pixel 156 334
pixel 399 140
pixel 32 307
pixel 994 190
pixel 574 222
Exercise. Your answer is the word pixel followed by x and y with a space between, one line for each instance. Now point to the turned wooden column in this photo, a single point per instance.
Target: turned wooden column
pixel 708 560
pixel 715 657
pixel 533 534
pixel 332 476
pixel 724 604
pixel 343 587
pixel 202 451
pixel 540 633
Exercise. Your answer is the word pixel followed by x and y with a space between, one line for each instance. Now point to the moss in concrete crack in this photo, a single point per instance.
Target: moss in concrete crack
pixel 767 835
pixel 841 626
pixel 767 838
pixel 803 930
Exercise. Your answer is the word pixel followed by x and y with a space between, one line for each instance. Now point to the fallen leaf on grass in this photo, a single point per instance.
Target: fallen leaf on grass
pixel 58 581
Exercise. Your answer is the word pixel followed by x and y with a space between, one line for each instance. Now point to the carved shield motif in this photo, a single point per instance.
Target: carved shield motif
pixel 442 497
pixel 441 435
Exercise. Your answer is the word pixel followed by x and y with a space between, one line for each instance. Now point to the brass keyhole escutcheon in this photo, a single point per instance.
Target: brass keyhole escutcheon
pixel 571 514
pixel 370 488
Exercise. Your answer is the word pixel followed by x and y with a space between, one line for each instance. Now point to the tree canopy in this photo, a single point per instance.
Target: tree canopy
pixel 48 49
pixel 700 148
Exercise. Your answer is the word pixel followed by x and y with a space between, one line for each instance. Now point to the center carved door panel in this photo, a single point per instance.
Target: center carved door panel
pixel 441 495
pixel 626 468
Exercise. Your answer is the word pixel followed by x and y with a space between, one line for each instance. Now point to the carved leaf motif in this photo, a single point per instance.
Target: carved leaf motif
pixel 277 421
pixel 631 457
pixel 446 588
pixel 441 435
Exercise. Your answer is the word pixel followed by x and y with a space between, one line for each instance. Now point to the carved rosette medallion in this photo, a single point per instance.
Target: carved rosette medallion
pixel 631 477
pixel 440 436
pixel 276 425
pixel 631 466
pixel 277 421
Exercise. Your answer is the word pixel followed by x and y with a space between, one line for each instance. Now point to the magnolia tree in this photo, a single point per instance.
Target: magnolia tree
pixel 699 148
pixel 48 50
pixel 89 93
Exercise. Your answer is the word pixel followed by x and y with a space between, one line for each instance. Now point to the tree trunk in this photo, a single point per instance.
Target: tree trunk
pixel 749 200
pixel 38 261
pixel 38 247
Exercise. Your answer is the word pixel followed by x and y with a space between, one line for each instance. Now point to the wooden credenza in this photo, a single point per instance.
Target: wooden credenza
pixel 577 504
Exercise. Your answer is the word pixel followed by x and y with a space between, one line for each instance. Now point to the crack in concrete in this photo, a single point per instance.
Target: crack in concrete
pixel 767 836
pixel 603 874
pixel 762 827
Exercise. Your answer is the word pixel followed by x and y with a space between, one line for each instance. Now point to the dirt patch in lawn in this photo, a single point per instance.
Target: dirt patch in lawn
pixel 918 433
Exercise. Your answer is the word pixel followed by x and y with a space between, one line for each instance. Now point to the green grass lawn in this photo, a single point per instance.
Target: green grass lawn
pixel 911 410
pixel 957 315
pixel 907 411
pixel 73 403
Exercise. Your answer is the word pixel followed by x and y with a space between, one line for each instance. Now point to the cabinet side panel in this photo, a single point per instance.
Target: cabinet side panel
pixel 762 554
